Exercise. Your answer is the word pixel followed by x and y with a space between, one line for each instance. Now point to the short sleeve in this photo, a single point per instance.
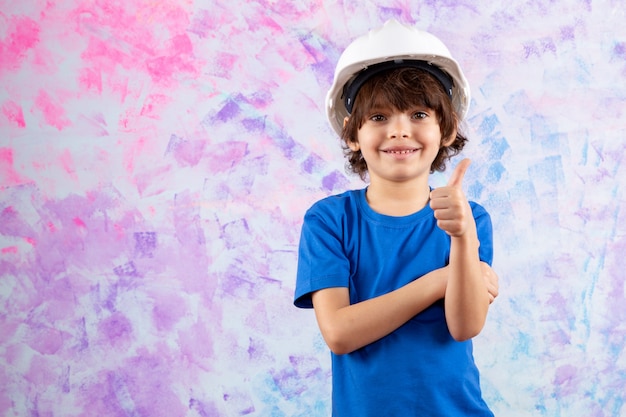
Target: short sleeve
pixel 322 262
pixel 485 233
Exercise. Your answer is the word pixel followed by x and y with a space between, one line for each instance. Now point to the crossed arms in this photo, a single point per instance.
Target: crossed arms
pixel 347 327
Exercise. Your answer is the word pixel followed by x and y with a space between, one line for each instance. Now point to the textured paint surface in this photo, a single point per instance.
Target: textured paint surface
pixel 156 158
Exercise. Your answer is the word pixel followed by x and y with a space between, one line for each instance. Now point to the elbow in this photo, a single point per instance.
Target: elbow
pixel 339 349
pixel 337 342
pixel 462 336
pixel 465 332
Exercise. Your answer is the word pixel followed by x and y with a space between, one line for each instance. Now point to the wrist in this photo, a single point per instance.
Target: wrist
pixel 467 239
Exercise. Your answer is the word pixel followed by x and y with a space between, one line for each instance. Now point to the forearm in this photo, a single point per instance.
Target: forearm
pixel 466 296
pixel 347 327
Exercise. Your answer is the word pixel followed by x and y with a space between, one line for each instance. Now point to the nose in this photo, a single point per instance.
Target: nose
pixel 400 127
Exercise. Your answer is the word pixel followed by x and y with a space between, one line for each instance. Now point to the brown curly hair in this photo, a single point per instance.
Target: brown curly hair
pixel 402 89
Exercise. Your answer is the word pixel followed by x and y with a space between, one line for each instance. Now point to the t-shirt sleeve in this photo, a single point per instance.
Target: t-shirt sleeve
pixel 485 233
pixel 322 262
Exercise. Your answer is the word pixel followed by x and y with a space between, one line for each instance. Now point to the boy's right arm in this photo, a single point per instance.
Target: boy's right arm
pixel 347 327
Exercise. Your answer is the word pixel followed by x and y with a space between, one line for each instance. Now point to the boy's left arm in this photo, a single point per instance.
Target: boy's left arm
pixel 470 287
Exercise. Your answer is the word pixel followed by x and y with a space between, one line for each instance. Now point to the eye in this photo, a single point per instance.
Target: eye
pixel 378 118
pixel 420 115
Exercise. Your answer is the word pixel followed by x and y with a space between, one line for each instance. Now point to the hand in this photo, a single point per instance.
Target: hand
pixel 452 210
pixel 491 279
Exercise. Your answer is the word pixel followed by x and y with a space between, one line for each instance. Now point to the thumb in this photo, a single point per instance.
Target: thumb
pixel 456 180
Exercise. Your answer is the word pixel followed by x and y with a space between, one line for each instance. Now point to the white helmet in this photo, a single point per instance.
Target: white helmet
pixel 395 42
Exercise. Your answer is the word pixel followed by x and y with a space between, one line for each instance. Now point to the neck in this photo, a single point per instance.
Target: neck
pixel 398 198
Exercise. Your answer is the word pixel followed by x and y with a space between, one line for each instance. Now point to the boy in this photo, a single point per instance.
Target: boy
pixel 398 273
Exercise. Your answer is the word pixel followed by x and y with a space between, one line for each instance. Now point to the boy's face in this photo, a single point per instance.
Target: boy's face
pixel 399 146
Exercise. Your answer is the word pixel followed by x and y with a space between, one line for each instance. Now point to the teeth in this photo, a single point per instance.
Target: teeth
pixel 401 152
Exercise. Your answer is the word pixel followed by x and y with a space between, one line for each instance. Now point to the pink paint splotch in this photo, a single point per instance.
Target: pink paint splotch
pixel 90 80
pixel 52 110
pixel 177 58
pixel 13 113
pixel 22 35
pixel 136 44
pixel 9 175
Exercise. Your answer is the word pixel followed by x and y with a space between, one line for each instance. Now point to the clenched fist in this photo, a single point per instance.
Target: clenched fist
pixel 452 210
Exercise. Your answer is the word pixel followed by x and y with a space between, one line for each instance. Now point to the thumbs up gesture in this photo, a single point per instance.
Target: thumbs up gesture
pixel 452 210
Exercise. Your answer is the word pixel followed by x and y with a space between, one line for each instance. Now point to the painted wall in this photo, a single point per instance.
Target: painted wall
pixel 157 157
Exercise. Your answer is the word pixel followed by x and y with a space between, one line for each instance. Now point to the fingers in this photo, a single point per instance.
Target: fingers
pixel 491 281
pixel 451 210
pixel 449 204
pixel 493 293
pixel 456 180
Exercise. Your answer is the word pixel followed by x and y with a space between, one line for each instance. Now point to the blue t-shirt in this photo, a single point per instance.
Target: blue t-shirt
pixel 419 369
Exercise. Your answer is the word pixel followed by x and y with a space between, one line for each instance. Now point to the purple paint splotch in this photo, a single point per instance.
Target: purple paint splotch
pixel 145 243
pixel 116 330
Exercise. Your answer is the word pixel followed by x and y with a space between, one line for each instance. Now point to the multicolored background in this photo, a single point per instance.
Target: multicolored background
pixel 157 157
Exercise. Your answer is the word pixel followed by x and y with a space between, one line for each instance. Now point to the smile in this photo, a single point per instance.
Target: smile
pixel 401 152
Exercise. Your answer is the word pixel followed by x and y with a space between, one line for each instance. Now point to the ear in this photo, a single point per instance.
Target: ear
pixel 449 140
pixel 352 144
